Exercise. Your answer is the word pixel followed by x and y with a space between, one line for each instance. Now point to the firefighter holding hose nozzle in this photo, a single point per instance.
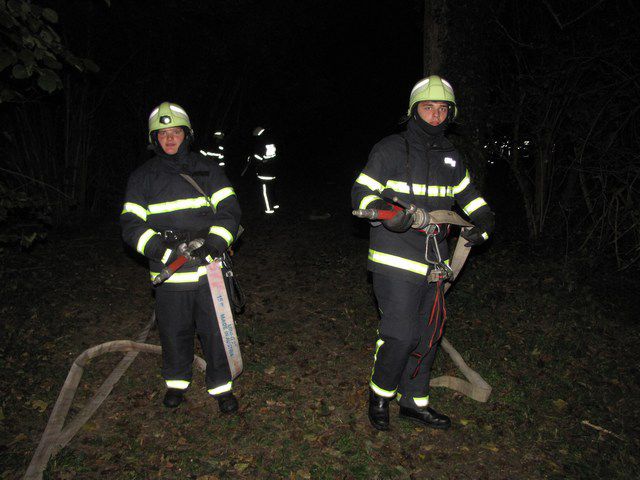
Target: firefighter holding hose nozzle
pixel 181 230
pixel 410 174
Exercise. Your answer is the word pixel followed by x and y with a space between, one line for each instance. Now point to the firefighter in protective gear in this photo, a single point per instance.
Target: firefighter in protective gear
pixel 265 157
pixel 419 166
pixel 161 211
pixel 217 152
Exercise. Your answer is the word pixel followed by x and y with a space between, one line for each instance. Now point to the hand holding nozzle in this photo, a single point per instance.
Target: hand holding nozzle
pixel 421 217
pixel 185 255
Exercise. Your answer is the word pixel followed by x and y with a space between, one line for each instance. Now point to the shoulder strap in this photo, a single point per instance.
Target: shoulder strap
pixel 195 185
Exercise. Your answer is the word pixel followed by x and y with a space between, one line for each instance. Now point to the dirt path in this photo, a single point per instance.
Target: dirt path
pixel 549 346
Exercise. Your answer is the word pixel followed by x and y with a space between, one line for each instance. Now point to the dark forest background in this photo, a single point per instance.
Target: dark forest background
pixel 548 94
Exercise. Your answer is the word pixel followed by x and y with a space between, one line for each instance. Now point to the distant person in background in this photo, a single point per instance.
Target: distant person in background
pixel 162 211
pixel 420 167
pixel 264 158
pixel 217 152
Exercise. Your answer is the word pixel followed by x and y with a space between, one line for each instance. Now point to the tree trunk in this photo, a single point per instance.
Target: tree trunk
pixel 434 36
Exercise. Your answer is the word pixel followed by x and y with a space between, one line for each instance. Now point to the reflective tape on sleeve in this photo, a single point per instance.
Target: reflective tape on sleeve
pixel 473 205
pixel 222 232
pixel 144 239
pixel 220 195
pixel 367 200
pixel 463 184
pixel 369 182
pixel 136 209
pixel 167 254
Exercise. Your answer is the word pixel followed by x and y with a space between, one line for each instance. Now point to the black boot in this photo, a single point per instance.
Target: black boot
pixel 427 416
pixel 227 403
pixel 173 397
pixel 378 411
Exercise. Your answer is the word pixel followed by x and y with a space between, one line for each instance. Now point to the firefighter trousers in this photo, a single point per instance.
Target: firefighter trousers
pixel 181 315
pixel 408 341
pixel 268 193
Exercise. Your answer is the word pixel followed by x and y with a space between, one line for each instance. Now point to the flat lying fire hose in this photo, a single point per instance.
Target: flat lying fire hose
pixel 55 437
pixel 474 387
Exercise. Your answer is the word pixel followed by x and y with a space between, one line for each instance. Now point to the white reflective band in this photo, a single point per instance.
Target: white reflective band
pixel 221 389
pixel 381 391
pixel 463 184
pixel 473 205
pixel 367 200
pixel 367 181
pixel 136 209
pixel 183 277
pixel 267 208
pixel 167 254
pixel 398 262
pixel 421 401
pixel 155 112
pixel 220 147
pixel 209 259
pixel 222 232
pixel 182 204
pixel 177 384
pixel 420 84
pixel 178 110
pixel 205 153
pixel 257 156
pixel 144 239
pixel 220 195
pixel 449 161
pixel 485 235
pixel 262 177
pixel 221 164
pixel 271 151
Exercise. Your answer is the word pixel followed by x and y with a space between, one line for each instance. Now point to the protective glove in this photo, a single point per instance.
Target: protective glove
pixel 484 225
pixel 398 224
pixel 166 253
pixel 207 252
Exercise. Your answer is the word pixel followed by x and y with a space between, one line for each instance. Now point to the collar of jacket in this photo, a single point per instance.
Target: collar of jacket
pixel 179 160
pixel 416 134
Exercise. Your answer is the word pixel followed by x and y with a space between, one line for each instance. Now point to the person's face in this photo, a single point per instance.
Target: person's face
pixel 434 113
pixel 170 139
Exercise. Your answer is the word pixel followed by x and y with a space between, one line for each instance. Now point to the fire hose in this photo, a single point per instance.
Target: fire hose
pixel 474 387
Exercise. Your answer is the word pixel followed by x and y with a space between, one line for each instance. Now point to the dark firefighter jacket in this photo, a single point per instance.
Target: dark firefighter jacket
pixel 158 199
pixel 265 156
pixel 439 179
